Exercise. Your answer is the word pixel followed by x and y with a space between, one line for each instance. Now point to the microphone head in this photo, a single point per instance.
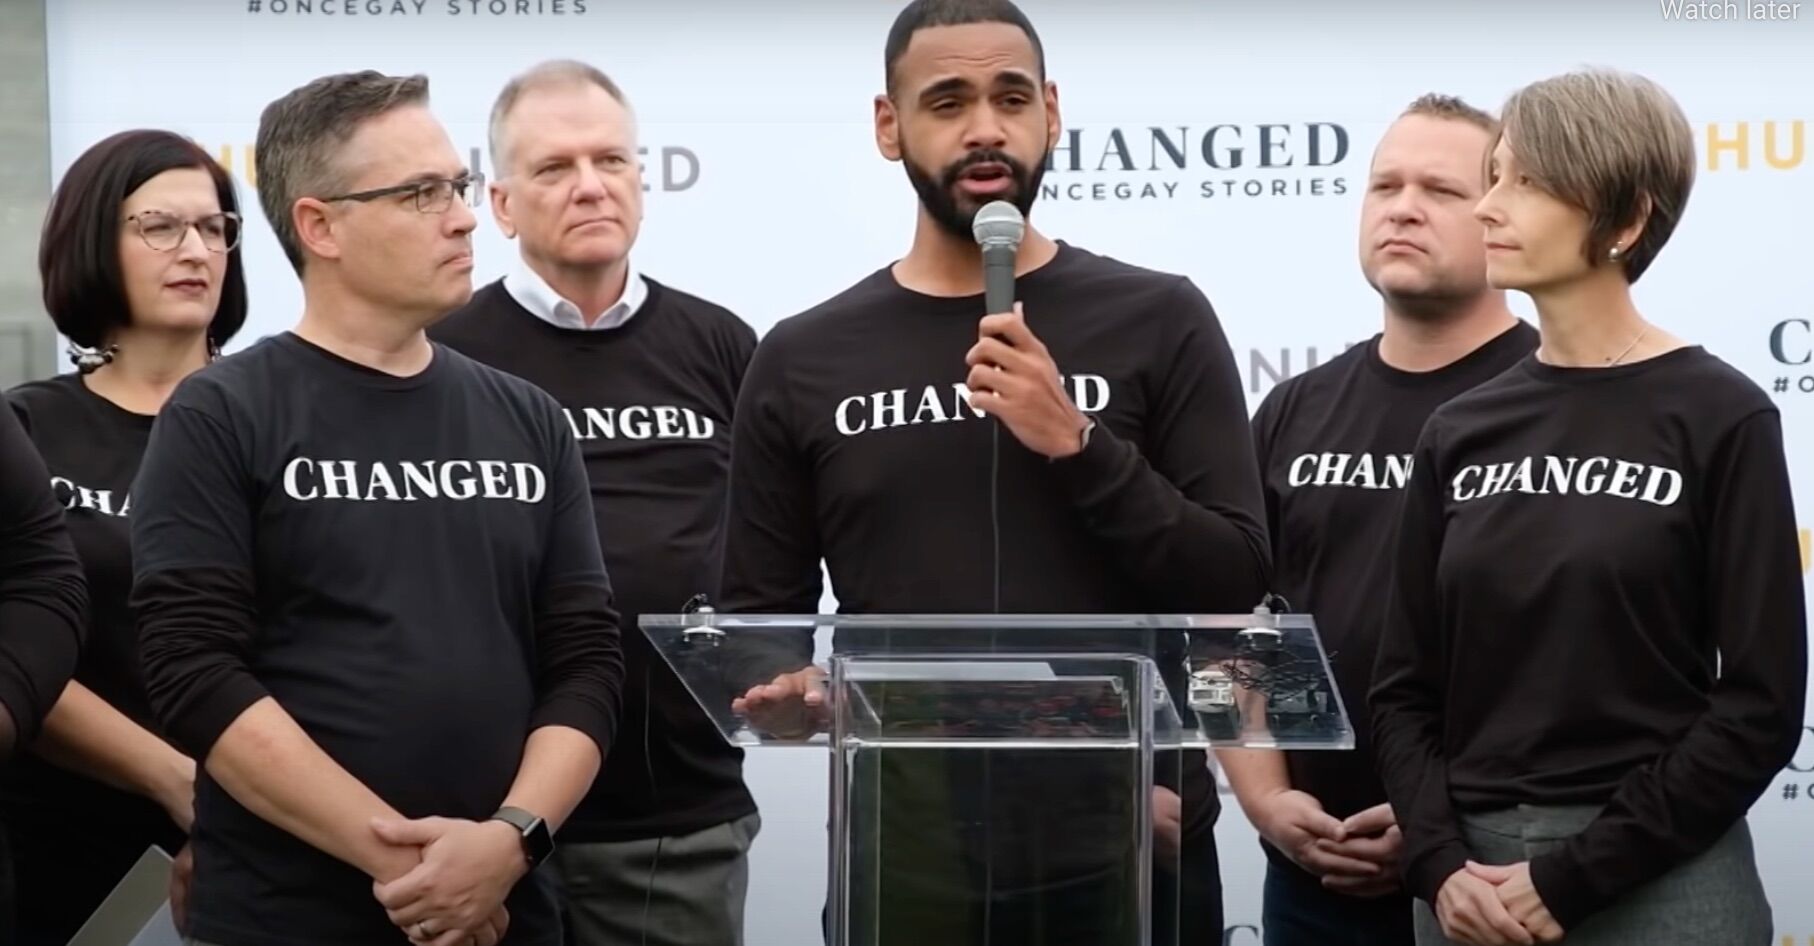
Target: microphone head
pixel 999 223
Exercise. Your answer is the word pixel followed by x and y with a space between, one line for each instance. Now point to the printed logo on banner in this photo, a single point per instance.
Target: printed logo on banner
pixel 668 168
pixel 1180 162
pixel 354 9
pixel 1791 344
pixel 1267 367
pixel 1798 778
pixel 1762 145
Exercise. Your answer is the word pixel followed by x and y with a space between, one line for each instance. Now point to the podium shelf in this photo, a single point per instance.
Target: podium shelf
pixel 1257 680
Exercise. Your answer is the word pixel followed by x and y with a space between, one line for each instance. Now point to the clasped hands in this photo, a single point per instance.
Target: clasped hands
pixel 1480 904
pixel 1495 906
pixel 1357 857
pixel 455 895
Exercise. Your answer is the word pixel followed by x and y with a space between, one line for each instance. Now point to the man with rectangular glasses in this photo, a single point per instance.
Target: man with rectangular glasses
pixel 370 594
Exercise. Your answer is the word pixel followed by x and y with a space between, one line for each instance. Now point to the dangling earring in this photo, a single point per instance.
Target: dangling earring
pixel 90 360
pixel 213 350
pixel 1613 254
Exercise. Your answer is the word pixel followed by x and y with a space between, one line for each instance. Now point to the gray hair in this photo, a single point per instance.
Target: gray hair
pixel 554 73
pixel 300 137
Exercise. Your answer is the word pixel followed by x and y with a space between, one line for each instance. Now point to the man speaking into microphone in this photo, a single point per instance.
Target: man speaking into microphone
pixel 1085 451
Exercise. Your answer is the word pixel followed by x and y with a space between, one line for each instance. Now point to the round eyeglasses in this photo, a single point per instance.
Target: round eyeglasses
pixel 165 232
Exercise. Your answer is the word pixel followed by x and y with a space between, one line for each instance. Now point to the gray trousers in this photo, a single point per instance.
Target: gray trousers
pixel 680 891
pixel 1717 898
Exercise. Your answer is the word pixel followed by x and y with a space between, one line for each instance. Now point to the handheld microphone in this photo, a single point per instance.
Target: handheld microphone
pixel 998 228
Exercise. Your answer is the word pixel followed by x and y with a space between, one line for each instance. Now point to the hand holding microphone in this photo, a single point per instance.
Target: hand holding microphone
pixel 1012 375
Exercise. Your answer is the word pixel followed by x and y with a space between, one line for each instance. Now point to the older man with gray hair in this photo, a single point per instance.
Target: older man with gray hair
pixel 657 853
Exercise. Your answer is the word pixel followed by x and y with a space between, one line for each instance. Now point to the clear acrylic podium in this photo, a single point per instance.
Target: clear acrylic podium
pixel 993 776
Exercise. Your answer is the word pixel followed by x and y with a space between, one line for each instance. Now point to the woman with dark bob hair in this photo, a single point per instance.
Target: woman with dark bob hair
pixel 1595 655
pixel 142 274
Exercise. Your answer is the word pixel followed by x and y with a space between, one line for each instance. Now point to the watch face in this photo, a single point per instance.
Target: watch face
pixel 538 842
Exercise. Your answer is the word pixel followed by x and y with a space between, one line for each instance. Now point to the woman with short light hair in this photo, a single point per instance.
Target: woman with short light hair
pixel 1595 659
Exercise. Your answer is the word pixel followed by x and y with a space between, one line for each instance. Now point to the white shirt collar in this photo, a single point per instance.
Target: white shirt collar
pixel 532 292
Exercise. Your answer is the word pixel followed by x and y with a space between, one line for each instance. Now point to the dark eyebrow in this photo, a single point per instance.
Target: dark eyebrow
pixel 1015 79
pixel 1008 79
pixel 172 213
pixel 427 176
pixel 944 87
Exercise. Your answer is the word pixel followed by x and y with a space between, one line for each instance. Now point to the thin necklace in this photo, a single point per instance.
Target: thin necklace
pixel 1610 361
pixel 1628 348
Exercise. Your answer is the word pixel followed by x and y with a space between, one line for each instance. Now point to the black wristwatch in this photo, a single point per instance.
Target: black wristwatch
pixel 538 842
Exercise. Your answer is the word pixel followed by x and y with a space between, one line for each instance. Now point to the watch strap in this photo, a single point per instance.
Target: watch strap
pixel 538 842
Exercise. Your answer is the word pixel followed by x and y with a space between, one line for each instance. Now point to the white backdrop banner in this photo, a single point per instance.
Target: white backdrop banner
pixel 1228 142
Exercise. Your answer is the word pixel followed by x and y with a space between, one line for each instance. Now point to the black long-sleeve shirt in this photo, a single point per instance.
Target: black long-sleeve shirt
pixel 407 565
pixel 855 444
pixel 43 596
pixel 91 448
pixel 1597 600
pixel 650 403
pixel 1334 446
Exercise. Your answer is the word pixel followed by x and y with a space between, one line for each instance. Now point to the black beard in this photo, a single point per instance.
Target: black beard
pixel 940 196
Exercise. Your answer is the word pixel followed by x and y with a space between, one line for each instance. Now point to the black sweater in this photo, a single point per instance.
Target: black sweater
pixel 407 565
pixel 92 448
pixel 1598 600
pixel 650 403
pixel 855 445
pixel 1334 446
pixel 43 596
